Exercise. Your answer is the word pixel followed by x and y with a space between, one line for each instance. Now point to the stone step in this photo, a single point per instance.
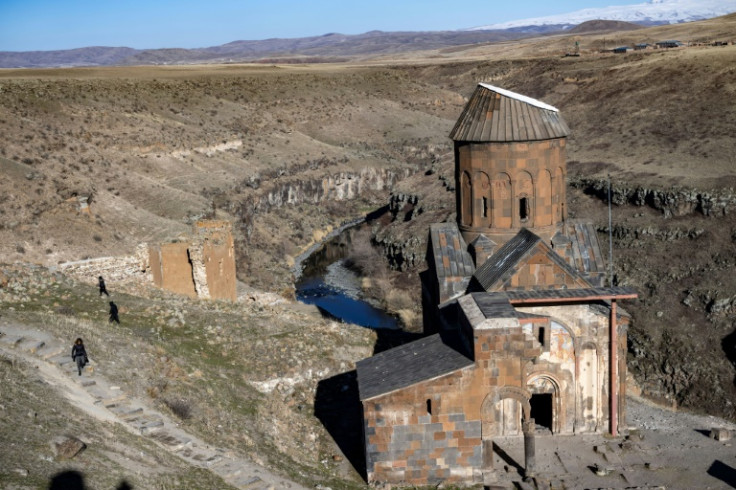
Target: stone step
pixel 31 345
pixel 173 442
pixel 87 382
pixel 11 340
pixel 207 459
pixel 49 351
pixel 128 414
pixel 61 360
pixel 113 401
pixel 150 426
pixel 252 483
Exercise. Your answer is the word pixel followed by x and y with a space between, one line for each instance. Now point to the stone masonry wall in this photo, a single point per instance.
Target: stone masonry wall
pixel 215 239
pixel 412 438
pixel 433 431
pixel 202 266
pixel 113 269
pixel 176 269
pixel 495 180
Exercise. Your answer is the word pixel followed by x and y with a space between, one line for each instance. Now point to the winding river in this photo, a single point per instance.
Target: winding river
pixel 327 283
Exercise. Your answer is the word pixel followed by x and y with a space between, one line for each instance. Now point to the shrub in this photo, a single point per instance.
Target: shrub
pixel 179 407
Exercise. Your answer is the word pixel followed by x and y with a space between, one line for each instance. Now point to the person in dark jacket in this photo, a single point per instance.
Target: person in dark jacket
pixel 79 355
pixel 103 289
pixel 114 313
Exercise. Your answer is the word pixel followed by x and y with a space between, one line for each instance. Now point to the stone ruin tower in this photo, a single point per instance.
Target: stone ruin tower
pixel 509 166
pixel 200 266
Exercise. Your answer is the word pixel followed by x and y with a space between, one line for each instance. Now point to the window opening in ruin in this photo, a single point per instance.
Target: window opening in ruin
pixel 541 405
pixel 524 208
pixel 429 406
pixel 485 207
pixel 540 335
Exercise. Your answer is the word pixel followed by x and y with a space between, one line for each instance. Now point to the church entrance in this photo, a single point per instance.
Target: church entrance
pixel 541 412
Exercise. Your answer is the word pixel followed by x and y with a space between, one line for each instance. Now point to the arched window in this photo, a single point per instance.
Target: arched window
pixel 466 199
pixel 524 209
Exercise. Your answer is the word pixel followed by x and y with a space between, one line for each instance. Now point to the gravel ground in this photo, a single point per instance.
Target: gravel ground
pixel 660 449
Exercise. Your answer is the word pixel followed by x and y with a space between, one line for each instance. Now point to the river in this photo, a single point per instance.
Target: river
pixel 327 283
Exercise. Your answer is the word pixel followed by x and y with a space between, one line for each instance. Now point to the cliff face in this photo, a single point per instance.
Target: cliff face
pixel 673 202
pixel 325 190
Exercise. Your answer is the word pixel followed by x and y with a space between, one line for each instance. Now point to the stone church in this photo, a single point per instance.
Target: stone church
pixel 523 337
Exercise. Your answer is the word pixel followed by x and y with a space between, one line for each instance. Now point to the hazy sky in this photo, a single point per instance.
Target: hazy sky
pixel 30 25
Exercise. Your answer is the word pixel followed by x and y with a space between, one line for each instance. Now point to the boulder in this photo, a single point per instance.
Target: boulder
pixel 67 447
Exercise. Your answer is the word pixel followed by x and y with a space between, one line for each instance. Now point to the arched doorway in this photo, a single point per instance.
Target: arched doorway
pixel 545 403
pixel 502 412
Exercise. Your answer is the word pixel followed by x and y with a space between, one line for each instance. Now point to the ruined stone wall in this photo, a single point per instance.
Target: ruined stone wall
pixel 176 269
pixel 202 266
pixel 215 240
pixel 113 269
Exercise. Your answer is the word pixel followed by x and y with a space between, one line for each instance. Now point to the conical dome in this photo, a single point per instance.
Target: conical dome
pixel 496 115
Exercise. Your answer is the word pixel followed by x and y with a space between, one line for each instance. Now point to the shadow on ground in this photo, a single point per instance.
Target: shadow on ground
pixel 337 405
pixel 728 344
pixel 74 480
pixel 724 472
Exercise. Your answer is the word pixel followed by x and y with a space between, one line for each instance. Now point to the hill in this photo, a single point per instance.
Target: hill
pixel 289 153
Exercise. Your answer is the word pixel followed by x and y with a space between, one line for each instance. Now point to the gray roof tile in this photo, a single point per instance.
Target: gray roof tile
pixel 406 365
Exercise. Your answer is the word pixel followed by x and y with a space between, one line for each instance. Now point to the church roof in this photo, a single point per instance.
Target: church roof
pixel 502 265
pixel 494 114
pixel 406 365
pixel 451 259
pixel 571 295
pixel 586 255
pixel 494 305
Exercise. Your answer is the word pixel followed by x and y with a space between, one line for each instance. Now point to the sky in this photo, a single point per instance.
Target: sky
pixel 45 25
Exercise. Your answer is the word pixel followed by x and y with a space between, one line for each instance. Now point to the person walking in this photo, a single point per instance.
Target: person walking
pixel 114 313
pixel 79 355
pixel 103 289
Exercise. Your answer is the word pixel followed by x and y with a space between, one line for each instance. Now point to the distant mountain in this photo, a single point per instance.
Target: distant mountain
pixel 649 13
pixel 339 47
pixel 329 47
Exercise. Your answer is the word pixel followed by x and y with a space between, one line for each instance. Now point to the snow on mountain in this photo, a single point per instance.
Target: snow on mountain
pixel 652 12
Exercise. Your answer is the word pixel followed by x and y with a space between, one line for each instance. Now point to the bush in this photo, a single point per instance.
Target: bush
pixel 179 407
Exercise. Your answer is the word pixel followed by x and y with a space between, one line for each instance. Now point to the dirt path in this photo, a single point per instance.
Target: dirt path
pixel 97 397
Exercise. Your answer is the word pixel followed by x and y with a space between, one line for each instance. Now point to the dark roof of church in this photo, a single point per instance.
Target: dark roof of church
pixel 494 114
pixel 502 264
pixel 451 258
pixel 494 305
pixel 573 294
pixel 586 251
pixel 406 365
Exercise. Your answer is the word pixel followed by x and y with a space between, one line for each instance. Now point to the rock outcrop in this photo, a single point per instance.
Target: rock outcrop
pixel 671 202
